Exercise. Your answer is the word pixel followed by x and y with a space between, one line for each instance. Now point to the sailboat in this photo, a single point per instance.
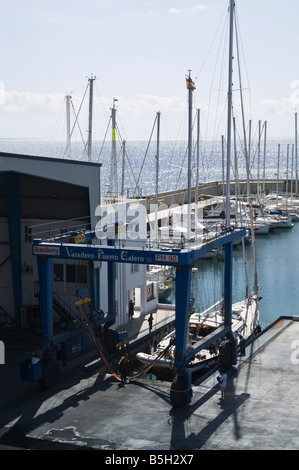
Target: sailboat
pixel 245 314
pixel 274 208
pixel 245 317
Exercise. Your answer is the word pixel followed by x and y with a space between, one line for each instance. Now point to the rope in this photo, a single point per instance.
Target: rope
pixel 127 157
pixel 100 153
pixel 93 338
pixel 148 145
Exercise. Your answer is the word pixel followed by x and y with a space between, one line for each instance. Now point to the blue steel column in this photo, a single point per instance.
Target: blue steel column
pixel 182 302
pixel 45 276
pixel 228 283
pixel 95 284
pixel 111 283
pixel 12 193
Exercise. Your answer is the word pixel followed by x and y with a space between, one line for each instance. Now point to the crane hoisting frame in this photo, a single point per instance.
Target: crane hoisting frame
pixel 182 259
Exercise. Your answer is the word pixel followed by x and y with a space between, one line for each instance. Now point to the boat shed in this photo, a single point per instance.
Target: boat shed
pixel 39 194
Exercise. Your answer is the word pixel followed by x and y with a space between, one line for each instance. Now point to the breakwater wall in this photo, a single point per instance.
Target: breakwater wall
pixel 218 188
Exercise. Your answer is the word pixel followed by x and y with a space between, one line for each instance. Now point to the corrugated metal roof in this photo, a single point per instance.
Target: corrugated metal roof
pixel 68 171
pixel 59 160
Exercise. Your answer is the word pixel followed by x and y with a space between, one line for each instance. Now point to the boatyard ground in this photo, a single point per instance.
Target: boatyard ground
pixel 17 342
pixel 89 409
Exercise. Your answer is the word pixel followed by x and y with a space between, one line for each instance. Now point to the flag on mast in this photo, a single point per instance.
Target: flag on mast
pixel 190 84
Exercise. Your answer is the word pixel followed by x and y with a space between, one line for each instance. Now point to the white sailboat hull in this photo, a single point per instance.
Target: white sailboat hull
pixel 245 319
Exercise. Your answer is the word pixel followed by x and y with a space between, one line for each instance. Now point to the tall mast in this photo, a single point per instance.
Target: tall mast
pixel 229 112
pixel 113 175
pixel 287 175
pixel 191 87
pixel 292 163
pixel 123 169
pixel 264 164
pixel 228 281
pixel 223 172
pixel 277 178
pixel 157 157
pixel 89 147
pixel 296 157
pixel 157 174
pixel 249 199
pixel 258 162
pixel 197 162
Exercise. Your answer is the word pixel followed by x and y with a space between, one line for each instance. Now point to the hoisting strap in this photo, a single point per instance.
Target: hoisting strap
pixel 85 322
pixel 92 337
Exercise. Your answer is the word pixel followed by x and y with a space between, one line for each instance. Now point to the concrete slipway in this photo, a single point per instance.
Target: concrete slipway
pixel 91 410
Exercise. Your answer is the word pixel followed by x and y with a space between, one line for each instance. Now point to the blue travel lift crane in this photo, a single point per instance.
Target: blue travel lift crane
pixel 76 246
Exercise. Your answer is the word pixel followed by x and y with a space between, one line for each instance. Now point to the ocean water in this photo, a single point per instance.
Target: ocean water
pixel 277 256
pixel 277 252
pixel 140 161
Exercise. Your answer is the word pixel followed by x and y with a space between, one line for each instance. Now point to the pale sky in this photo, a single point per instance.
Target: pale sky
pixel 140 52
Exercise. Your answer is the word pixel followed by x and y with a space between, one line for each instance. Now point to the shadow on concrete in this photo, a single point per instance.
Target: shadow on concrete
pixel 28 416
pixel 150 385
pixel 228 409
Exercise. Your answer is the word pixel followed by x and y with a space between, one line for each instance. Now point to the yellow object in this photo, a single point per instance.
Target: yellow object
pixel 190 84
pixel 82 301
pixel 80 238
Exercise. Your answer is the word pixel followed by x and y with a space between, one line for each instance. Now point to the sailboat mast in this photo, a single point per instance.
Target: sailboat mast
pixel 157 174
pixel 229 246
pixel 264 163
pixel 292 163
pixel 296 156
pixel 191 88
pixel 223 172
pixel 258 163
pixel 197 162
pixel 123 169
pixel 113 176
pixel 277 177
pixel 249 198
pixel 89 147
pixel 157 157
pixel 229 112
pixel 287 175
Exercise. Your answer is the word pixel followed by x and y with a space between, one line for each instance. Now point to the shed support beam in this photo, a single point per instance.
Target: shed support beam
pixel 12 194
pixel 45 275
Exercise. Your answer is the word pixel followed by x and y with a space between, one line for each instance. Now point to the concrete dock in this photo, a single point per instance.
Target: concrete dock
pixel 89 409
